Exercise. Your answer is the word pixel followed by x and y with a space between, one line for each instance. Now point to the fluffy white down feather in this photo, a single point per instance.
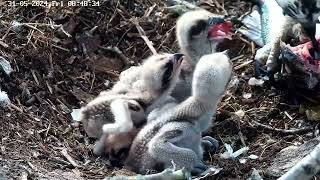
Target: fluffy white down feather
pixel 4 99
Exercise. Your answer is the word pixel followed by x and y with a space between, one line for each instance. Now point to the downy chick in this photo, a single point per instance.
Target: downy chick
pixel 128 80
pixel 114 116
pixel 198 33
pixel 307 13
pixel 175 134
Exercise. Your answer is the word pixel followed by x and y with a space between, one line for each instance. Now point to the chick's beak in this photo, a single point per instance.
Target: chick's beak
pixel 221 31
pixel 177 59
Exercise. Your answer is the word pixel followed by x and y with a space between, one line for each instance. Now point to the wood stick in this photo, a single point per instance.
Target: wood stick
pixel 166 174
pixel 283 131
pixel 144 37
pixel 69 158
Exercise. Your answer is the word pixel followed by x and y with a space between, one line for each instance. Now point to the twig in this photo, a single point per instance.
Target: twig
pixel 65 32
pixel 220 6
pixel 121 38
pixel 33 27
pixel 92 82
pixel 4 44
pixel 168 35
pixel 7 32
pixel 149 11
pixel 166 174
pixel 144 37
pixel 32 166
pixel 49 87
pixel 182 2
pixel 35 77
pixel 69 158
pixel 288 115
pixel 243 65
pixel 244 40
pixel 283 131
pixel 236 58
pixel 30 36
pixel 59 47
pixel 253 47
pixel 16 108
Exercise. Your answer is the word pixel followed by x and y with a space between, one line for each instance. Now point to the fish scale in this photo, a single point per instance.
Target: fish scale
pixel 264 25
pixel 271 19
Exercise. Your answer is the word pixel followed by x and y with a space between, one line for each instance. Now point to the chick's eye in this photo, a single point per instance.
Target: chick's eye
pixel 197 28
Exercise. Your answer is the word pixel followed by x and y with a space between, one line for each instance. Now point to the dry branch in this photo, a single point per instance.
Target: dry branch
pixel 166 174
pixel 144 36
pixel 185 3
pixel 283 131
pixel 69 158
pixel 243 65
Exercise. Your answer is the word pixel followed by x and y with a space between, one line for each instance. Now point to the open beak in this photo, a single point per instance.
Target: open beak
pixel 221 31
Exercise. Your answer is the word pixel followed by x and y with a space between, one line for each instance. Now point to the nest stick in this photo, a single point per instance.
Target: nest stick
pixel 69 158
pixel 144 36
pixel 283 131
pixel 185 3
pixel 166 174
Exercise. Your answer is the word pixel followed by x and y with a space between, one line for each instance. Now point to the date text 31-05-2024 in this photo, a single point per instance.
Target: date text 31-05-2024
pixel 52 3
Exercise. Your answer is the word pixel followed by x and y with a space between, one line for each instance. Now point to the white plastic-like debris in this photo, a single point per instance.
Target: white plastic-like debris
pixel 5 65
pixel 255 82
pixel 76 114
pixel 266 78
pixel 240 113
pixel 240 151
pixel 107 84
pixel 4 99
pixel 228 148
pixel 247 95
pixel 16 26
pixel 234 84
pixel 317 30
pixel 209 172
pixel 242 160
pixel 252 156
pixel 229 154
pixel 255 175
